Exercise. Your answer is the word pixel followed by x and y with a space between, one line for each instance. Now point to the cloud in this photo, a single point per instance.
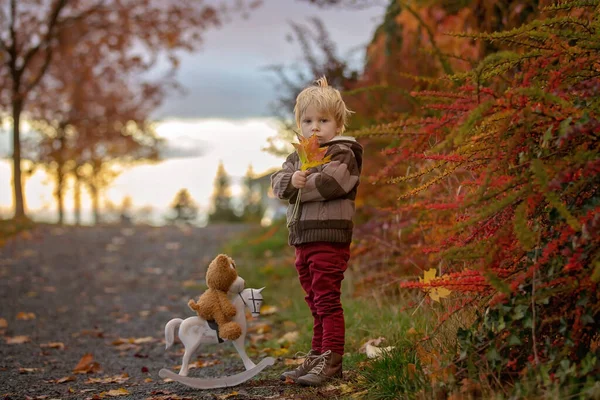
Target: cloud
pixel 226 78
pixel 184 147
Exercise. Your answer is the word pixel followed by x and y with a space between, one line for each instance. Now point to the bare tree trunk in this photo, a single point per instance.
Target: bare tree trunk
pixel 17 180
pixel 77 199
pixel 95 203
pixel 60 182
pixel 60 177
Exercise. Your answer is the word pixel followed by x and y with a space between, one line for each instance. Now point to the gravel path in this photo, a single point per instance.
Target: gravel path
pixel 107 292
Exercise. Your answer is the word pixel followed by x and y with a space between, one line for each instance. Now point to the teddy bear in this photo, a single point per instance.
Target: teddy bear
pixel 214 304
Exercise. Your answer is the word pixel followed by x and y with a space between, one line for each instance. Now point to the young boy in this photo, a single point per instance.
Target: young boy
pixel 321 230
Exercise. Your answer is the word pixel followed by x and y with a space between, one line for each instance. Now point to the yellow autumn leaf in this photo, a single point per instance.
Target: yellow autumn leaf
pixel 17 339
pixel 115 393
pixel 227 396
pixel 436 293
pixel 309 152
pixel 25 316
pixel 53 345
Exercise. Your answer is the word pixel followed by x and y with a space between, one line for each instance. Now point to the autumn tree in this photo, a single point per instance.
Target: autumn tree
pixel 252 208
pixel 33 34
pixel 222 208
pixel 503 193
pixel 185 208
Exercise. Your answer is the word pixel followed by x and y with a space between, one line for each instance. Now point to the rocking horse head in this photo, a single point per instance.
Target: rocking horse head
pixel 252 299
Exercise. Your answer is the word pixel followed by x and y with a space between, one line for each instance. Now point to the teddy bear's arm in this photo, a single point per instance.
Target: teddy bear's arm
pixel 226 307
pixel 193 305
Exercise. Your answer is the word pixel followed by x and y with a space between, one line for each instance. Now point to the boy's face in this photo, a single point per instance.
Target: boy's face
pixel 320 123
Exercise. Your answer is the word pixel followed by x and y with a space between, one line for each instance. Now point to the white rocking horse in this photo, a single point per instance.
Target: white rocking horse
pixel 194 331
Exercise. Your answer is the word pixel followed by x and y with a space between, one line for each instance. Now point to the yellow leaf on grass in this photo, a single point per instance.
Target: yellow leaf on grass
pixel 290 337
pixel 309 152
pixel 436 292
pixel 268 310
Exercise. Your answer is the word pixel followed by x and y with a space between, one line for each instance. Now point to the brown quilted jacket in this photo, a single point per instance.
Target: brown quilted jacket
pixel 327 200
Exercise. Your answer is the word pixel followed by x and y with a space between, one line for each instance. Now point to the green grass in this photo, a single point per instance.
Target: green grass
pixel 396 375
pixel 270 263
pixel 12 227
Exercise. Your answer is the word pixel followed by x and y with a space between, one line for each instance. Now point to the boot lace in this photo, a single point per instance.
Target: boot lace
pixel 308 358
pixel 317 369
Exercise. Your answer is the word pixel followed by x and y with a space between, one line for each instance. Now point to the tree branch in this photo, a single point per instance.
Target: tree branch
pixel 53 23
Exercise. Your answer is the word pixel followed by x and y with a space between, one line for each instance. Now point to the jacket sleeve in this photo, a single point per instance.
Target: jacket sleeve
pixel 281 181
pixel 333 180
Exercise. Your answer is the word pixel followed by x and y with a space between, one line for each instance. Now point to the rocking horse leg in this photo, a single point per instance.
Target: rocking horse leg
pixel 239 346
pixel 189 351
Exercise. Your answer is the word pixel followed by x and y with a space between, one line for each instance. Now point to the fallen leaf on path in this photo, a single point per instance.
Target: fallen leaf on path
pixel 90 332
pixel 111 379
pixel 114 393
pixel 227 396
pixel 154 271
pixel 118 240
pixel 166 395
pixel 127 231
pixel 28 253
pixel 86 365
pixel 147 339
pixel 53 345
pixel 17 339
pixel 173 246
pixel 25 316
pixel 199 364
pixel 28 370
pixel 64 379
pixel 111 247
pixel 3 323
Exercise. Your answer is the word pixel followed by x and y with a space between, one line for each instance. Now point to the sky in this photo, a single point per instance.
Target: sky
pixel 224 114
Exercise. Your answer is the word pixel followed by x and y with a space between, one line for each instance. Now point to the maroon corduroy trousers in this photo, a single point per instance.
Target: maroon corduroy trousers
pixel 321 267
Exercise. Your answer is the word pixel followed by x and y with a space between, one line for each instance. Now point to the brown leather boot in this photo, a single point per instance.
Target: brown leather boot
pixel 303 368
pixel 327 366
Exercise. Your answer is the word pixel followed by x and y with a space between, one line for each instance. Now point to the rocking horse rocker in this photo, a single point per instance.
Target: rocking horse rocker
pixel 218 320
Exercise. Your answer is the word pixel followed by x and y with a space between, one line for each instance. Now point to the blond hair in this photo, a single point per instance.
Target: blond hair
pixel 325 98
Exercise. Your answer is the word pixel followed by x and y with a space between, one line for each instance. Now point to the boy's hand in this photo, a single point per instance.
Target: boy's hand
pixel 299 179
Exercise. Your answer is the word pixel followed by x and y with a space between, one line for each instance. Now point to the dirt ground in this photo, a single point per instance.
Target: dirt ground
pixel 98 298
